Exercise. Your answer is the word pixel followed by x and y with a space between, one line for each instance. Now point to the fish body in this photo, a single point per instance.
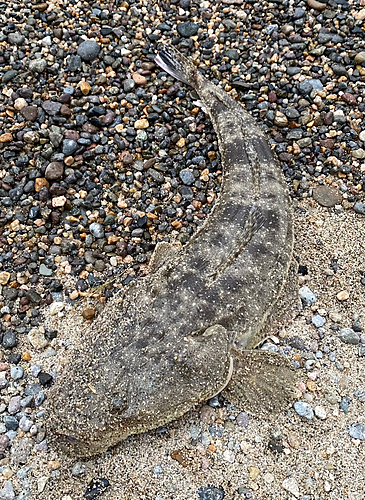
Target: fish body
pixel 170 339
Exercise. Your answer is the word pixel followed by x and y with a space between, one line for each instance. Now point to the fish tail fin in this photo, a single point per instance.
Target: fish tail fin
pixel 177 65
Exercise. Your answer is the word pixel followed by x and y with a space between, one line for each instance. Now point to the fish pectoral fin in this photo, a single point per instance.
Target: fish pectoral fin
pixel 163 253
pixel 262 381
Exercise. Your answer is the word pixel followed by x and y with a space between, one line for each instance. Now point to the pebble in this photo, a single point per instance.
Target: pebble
pixel 7 491
pixel 359 208
pixel 187 177
pixel 357 431
pixel 320 412
pixel 187 29
pixel 37 339
pixel 88 50
pixel 307 297
pixel 211 493
pixel 304 409
pixel 343 295
pixel 327 196
pixel 97 230
pixel 349 336
pixel 318 320
pixel 96 487
pixel 16 372
pixel 291 485
pixel 9 339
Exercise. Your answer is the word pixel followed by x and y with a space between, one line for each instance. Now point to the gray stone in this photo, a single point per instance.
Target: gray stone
pixel 339 69
pixel 187 29
pixel 305 143
pixel 16 372
pixel 232 54
pixel 349 336
pixel 187 177
pixel 357 431
pixel 97 230
pixel 359 208
pixel 54 170
pixel 74 63
pixel 318 320
pixel 243 419
pixel 69 147
pixel 88 50
pixel 129 84
pixel 9 75
pixel 52 108
pixel 38 66
pixel 16 38
pixel 9 340
pixel 327 196
pixel 305 87
pixel 307 297
pixel 7 492
pixel 304 409
pixel 14 405
pixel 45 271
pixel 78 469
pixel 315 83
pixel 292 113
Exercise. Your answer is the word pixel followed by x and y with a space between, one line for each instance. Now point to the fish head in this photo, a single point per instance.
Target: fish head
pixel 99 402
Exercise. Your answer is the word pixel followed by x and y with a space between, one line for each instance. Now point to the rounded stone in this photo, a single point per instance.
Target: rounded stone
pixel 97 230
pixel 187 177
pixel 304 409
pixel 88 50
pixel 307 297
pixel 69 147
pixel 357 431
pixel 54 170
pixel 38 65
pixel 187 29
pixel 349 336
pixel 9 340
pixel 327 196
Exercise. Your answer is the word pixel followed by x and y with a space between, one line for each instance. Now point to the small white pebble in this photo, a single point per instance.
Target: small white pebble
pixel 320 412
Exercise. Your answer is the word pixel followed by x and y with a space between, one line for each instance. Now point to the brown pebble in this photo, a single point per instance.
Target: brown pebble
pixel 179 456
pixel 88 313
pixel 30 113
pixel 26 356
pixel 313 4
pixel 7 137
pixel 39 183
pixel 327 196
pixel 139 79
pixel 54 171
pixel 349 98
pixel 85 87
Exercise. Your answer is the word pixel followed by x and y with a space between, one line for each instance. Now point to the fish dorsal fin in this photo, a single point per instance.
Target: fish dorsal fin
pixel 162 254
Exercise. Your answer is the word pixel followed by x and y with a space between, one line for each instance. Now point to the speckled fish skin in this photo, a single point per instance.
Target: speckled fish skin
pixel 164 344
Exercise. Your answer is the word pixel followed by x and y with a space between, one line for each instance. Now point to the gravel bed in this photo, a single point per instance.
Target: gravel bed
pixel 102 155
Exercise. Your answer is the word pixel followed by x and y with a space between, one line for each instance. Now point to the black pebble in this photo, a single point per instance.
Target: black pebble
pixel 275 445
pixel 96 487
pixel 45 379
pixel 14 358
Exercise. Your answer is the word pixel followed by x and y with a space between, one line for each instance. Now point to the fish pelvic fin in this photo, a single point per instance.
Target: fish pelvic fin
pixel 178 66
